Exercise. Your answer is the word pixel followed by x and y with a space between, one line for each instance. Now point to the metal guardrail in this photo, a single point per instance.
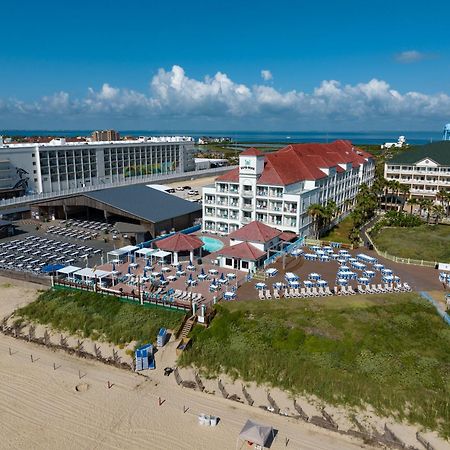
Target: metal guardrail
pixel 125 182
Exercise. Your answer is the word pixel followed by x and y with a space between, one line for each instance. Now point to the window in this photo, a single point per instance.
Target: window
pixel 34 163
pixel 244 264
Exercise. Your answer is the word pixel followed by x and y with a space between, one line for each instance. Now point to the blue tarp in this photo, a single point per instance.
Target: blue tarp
pixel 52 268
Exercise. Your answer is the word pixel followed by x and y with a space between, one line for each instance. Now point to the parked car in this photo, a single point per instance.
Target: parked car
pixel 187 188
pixel 179 188
pixel 192 192
pixel 171 191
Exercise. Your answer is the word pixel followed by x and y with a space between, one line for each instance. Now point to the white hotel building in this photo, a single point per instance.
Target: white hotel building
pixel 277 188
pixel 59 165
pixel 425 169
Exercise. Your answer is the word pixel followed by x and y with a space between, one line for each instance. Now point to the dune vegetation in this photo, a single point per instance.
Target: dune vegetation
pixel 98 316
pixel 389 351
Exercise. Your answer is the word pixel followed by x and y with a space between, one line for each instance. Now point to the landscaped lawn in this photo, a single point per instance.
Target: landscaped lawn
pixel 340 232
pixel 427 242
pixel 99 316
pixel 390 351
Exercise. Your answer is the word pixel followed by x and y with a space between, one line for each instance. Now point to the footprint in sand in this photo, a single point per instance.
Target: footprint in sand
pixel 82 387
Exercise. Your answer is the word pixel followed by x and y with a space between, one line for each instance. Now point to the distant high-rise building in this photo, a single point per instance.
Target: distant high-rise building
pixel 105 135
pixel 446 136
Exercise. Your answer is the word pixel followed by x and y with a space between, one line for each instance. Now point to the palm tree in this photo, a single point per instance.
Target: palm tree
pixel 394 187
pixel 404 189
pixel 316 212
pixel 439 212
pixel 412 201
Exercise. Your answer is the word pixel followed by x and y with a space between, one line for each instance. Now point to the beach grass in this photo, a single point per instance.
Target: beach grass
pixel 391 351
pixel 425 242
pixel 98 316
pixel 340 233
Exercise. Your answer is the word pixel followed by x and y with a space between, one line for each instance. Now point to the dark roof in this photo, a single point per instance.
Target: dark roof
pixel 125 227
pixel 437 151
pixel 144 202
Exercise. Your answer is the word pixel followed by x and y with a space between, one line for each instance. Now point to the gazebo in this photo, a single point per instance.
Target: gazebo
pixel 179 243
pixel 255 433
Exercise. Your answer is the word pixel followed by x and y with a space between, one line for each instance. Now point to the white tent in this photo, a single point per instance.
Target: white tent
pixel 87 272
pixel 68 270
pixel 256 433
pixel 119 252
pixel 145 251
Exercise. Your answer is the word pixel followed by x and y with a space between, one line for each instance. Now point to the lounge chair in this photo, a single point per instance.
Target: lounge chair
pixel 276 294
pixel 407 287
pixel 261 295
pixel 302 292
pixel 336 290
pixel 292 292
pixel 308 292
pixel 286 294
pixel 397 287
pixel 351 291
pixel 321 291
pixel 328 291
pixel 297 292
pixel 381 288
pixel 268 294
pixel 315 292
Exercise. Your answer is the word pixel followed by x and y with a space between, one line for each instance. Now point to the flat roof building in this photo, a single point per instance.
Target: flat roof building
pixel 59 165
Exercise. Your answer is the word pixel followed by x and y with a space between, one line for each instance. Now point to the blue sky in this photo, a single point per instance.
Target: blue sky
pixel 328 64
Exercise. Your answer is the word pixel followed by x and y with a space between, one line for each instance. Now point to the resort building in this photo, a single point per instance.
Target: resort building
pixel 251 245
pixel 277 188
pixel 63 166
pixel 425 169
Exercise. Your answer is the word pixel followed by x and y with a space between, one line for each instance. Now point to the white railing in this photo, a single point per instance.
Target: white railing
pixel 128 181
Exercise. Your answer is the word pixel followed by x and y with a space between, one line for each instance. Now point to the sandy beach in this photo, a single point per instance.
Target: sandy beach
pixel 52 400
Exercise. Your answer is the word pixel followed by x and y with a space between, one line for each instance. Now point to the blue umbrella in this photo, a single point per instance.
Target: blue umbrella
pixel 190 277
pixel 161 278
pixel 179 268
pixel 132 257
pixel 203 272
pixel 129 270
pixel 113 266
pixel 145 273
pixel 222 276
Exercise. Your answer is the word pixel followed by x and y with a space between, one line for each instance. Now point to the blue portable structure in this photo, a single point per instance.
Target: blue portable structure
pixel 144 358
pixel 162 337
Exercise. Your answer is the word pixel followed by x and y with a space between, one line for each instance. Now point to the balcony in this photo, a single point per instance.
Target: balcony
pixel 246 219
pixel 247 206
pixel 261 193
pixel 246 193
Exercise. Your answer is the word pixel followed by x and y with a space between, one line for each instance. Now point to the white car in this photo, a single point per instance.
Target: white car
pixel 179 188
pixel 192 192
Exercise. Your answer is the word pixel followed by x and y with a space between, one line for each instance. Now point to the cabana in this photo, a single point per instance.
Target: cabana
pixel 255 433
pixel 88 273
pixel 160 254
pixel 144 252
pixel 68 271
pixel 120 254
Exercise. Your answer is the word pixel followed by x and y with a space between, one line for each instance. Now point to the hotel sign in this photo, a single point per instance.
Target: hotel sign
pixel 247 165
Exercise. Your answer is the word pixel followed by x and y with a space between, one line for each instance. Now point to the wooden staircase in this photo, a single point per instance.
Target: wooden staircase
pixel 187 327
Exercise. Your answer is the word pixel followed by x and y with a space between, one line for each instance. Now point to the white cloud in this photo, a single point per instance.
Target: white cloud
pixel 266 75
pixel 411 56
pixel 176 99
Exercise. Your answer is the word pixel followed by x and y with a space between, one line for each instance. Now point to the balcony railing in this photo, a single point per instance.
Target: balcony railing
pixel 247 206
pixel 246 193
pixel 246 219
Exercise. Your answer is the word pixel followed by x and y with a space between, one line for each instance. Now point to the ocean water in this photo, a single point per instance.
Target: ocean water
pixel 372 137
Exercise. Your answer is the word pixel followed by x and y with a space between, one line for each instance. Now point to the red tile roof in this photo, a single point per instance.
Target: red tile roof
pixel 252 151
pixel 255 232
pixel 231 176
pixel 244 250
pixel 179 242
pixel 299 162
pixel 287 236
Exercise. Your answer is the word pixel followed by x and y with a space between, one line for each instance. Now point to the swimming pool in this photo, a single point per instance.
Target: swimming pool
pixel 211 244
